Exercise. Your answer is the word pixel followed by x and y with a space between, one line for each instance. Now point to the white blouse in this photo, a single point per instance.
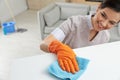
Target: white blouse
pixel 75 32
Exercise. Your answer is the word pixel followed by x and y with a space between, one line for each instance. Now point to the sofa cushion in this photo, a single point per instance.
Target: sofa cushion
pixel 92 12
pixel 114 34
pixel 67 11
pixel 49 29
pixel 52 16
pixel 93 9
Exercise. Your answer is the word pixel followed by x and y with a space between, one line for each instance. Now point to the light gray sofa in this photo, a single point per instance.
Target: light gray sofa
pixel 115 33
pixel 54 14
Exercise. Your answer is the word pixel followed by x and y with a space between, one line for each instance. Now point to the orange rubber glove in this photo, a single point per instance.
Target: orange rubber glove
pixel 66 56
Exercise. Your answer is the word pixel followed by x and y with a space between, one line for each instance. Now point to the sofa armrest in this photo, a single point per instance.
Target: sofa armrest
pixel 40 17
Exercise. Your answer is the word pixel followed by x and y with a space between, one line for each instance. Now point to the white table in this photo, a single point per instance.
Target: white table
pixel 104 64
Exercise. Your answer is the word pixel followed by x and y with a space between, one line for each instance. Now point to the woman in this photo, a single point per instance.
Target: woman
pixel 80 31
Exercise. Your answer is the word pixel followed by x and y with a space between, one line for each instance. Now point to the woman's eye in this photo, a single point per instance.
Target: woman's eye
pixel 112 23
pixel 103 15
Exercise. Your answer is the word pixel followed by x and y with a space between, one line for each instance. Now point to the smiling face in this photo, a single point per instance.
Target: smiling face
pixel 105 18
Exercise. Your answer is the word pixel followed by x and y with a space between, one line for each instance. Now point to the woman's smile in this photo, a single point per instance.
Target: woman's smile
pixel 100 26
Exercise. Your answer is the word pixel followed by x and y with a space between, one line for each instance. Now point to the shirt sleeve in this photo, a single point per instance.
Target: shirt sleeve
pixel 70 24
pixel 58 34
pixel 66 28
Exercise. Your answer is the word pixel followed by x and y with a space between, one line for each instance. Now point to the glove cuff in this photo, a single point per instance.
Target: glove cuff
pixel 53 46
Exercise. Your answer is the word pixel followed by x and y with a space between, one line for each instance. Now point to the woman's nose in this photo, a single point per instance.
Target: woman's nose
pixel 104 23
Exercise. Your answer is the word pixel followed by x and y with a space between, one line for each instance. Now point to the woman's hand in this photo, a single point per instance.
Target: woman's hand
pixel 66 56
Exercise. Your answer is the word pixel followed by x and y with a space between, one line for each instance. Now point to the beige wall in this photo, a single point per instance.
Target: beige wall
pixel 38 4
pixel 85 2
pixel 13 8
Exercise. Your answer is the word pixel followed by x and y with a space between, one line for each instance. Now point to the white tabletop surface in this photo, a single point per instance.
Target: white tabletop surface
pixel 104 64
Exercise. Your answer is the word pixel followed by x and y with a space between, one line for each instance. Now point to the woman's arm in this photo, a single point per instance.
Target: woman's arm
pixel 46 42
pixel 57 34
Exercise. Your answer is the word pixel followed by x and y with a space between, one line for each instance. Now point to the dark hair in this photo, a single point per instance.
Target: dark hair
pixel 112 4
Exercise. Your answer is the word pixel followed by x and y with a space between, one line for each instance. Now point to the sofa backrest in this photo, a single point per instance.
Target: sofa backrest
pixel 93 9
pixel 63 11
pixel 71 9
pixel 52 16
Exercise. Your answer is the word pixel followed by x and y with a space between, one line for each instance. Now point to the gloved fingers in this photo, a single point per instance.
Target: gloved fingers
pixel 60 61
pixel 76 67
pixel 72 69
pixel 66 65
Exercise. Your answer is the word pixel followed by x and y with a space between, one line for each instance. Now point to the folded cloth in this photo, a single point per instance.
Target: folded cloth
pixel 55 70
